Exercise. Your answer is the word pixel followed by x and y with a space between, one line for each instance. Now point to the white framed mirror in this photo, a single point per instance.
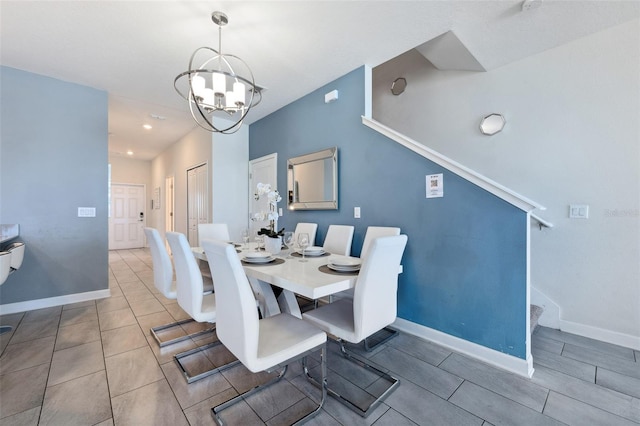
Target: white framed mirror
pixel 312 181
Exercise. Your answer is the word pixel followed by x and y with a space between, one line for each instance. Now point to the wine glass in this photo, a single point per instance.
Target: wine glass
pixel 258 238
pixel 288 240
pixel 245 238
pixel 303 242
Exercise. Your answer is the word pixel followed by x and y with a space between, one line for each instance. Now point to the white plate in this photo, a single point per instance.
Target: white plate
pixel 259 259
pixel 257 254
pixel 344 268
pixel 345 262
pixel 312 251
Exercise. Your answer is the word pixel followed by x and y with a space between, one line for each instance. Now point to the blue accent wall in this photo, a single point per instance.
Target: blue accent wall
pixel 53 159
pixel 465 262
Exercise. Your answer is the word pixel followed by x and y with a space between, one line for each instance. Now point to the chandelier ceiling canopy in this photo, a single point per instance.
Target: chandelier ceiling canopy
pixel 218 85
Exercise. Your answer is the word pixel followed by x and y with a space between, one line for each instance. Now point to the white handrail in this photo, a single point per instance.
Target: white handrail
pixel 541 221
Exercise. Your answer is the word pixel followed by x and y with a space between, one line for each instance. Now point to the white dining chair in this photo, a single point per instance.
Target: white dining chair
pixel 372 233
pixel 338 239
pixel 260 344
pixel 309 228
pixel 17 254
pixel 211 231
pixel 373 307
pixel 191 298
pixel 164 283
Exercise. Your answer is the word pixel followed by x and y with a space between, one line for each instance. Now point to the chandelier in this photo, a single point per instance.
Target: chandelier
pixel 218 85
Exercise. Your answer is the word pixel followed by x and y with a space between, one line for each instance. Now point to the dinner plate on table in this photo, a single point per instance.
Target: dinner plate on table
pixel 263 259
pixel 354 268
pixel 345 262
pixel 312 251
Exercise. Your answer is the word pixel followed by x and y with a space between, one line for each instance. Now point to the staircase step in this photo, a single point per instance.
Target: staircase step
pixel 536 312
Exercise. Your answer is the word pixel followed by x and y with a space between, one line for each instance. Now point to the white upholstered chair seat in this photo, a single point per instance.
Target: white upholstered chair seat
pixel 260 344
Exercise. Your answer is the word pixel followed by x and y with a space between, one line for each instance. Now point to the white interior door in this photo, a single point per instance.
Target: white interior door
pixel 197 200
pixel 127 216
pixel 261 170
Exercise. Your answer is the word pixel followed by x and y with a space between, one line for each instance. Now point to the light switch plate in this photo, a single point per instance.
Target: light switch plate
pixel 356 212
pixel 86 212
pixel 579 211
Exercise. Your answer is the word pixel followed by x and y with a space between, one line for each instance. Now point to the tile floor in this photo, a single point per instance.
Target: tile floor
pixel 94 363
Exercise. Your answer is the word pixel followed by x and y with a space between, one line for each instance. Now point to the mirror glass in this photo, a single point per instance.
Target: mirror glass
pixel 492 124
pixel 312 181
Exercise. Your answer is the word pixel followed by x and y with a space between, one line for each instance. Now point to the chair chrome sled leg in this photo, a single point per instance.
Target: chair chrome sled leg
pixel 364 412
pixel 215 411
pixel 193 378
pixel 162 343
pixel 390 334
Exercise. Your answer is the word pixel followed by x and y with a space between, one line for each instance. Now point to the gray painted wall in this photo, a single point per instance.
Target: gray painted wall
pixel 572 136
pixel 54 160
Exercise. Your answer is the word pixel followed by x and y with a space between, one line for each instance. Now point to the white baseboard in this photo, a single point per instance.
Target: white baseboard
pixel 30 305
pixel 497 359
pixel 601 334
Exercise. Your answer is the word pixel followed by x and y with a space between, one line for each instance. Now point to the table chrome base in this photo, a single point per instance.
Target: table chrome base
pixel 362 412
pixel 191 379
pixel 215 411
pixel 156 330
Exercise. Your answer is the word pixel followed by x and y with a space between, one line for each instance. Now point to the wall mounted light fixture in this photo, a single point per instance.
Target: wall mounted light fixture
pixel 492 124
pixel 398 85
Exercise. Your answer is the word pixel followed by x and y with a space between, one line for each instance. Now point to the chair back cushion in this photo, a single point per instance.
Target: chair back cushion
pixel 189 284
pixel 162 269
pixel 374 232
pixel 213 231
pixel 309 228
pixel 375 294
pixel 237 316
pixel 338 239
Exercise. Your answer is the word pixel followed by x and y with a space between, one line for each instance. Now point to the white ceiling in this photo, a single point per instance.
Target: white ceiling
pixel 134 49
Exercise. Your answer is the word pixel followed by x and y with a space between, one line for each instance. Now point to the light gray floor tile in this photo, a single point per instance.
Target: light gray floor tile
pixel 496 408
pixel 423 407
pixel 613 363
pixel 240 414
pixel 131 370
pixel 36 329
pixel 26 418
pixel 420 348
pixel 153 404
pixel 176 311
pixel 84 400
pixel 572 367
pixel 78 315
pixel 619 382
pixel 198 391
pixel 77 334
pixel 27 354
pixel 590 393
pixel 112 303
pixel 200 413
pixel 50 314
pixel 545 344
pixel 271 400
pixel 154 320
pixel 116 319
pixel 587 343
pixel 122 339
pixel 509 385
pixel 293 413
pixel 167 353
pixel 22 390
pixel 74 362
pixel 108 422
pixel 146 306
pixel 419 372
pixel 346 416
pixel 136 295
pixel 84 304
pixel 393 418
pixel 573 412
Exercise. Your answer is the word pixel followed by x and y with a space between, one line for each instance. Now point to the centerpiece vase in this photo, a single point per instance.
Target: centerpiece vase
pixel 273 245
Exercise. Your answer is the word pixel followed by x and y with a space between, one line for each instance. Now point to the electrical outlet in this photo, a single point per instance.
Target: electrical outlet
pixel 86 212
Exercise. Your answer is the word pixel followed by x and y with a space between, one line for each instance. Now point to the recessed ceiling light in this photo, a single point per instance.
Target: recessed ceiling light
pixel 147 126
pixel 129 152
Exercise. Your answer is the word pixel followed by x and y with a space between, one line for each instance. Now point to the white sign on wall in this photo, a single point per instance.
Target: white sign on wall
pixel 435 186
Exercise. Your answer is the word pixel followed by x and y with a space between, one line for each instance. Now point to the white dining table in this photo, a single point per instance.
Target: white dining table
pixel 293 276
